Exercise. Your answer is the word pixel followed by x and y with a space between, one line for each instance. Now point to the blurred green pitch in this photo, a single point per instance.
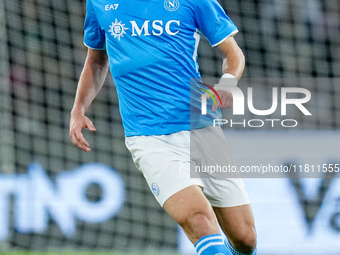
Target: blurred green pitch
pixel 79 253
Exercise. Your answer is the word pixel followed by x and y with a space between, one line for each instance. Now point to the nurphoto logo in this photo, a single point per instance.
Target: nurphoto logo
pixel 295 96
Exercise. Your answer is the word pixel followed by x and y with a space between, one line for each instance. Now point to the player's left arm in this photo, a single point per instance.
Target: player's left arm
pixel 233 58
pixel 232 68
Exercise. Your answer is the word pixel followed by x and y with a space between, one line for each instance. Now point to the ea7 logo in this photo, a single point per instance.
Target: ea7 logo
pixel 111 7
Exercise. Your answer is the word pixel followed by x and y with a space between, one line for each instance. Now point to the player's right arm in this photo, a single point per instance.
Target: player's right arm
pixel 91 81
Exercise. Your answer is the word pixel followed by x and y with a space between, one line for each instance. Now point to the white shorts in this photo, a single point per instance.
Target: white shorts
pixel 165 163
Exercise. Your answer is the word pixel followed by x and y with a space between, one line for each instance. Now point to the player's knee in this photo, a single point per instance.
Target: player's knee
pixel 196 218
pixel 245 241
pixel 199 223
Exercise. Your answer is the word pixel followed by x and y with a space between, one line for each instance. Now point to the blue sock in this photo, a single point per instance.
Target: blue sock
pixel 211 245
pixel 236 252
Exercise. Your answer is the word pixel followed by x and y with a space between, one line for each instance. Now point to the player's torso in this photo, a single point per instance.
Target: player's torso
pixel 143 32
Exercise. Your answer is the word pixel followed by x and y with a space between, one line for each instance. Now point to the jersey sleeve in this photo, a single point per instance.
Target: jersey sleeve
pixel 94 36
pixel 213 22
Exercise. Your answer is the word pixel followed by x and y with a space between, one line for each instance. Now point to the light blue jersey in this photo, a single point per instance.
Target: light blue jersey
pixel 152 49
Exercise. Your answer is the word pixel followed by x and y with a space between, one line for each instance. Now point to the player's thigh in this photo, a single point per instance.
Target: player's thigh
pixel 226 192
pixel 237 223
pixel 222 188
pixel 164 161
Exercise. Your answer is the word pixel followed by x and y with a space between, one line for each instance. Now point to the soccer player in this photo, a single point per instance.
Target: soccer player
pixel 151 48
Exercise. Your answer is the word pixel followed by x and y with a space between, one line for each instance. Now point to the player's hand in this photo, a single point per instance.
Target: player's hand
pixel 79 121
pixel 226 98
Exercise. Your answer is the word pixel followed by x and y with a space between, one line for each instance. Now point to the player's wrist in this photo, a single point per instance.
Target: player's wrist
pixel 79 110
pixel 227 80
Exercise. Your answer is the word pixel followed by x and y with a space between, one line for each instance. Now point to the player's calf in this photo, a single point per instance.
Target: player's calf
pixel 191 210
pixel 238 224
pixel 243 243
